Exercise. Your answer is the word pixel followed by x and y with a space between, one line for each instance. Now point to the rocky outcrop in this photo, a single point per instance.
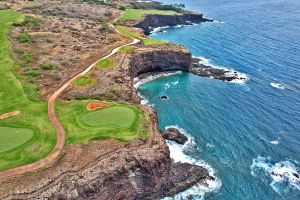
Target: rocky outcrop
pixel 222 74
pixel 175 135
pixel 167 58
pixel 151 21
pixel 141 169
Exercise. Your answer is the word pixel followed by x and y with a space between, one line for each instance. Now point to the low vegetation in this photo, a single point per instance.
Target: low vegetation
pixel 24 38
pixel 153 42
pixel 128 32
pixel 84 81
pixel 106 63
pixel 47 65
pixel 158 6
pixel 29 136
pixel 119 121
pixel 136 14
pixel 127 49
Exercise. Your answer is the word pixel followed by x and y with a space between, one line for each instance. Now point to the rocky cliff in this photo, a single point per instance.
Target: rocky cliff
pixel 166 58
pixel 151 21
pixel 106 170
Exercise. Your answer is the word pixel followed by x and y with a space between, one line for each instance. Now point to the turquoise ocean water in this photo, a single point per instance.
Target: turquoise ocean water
pixel 248 134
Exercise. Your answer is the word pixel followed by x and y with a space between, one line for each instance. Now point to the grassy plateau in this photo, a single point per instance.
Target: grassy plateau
pixel 136 14
pixel 29 136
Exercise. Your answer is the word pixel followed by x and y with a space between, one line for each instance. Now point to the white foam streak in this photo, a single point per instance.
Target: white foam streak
pixel 177 154
pixel 278 86
pixel 241 78
pixel 138 82
pixel 284 175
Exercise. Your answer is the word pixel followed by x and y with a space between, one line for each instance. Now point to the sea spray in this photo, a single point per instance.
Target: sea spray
pixel 180 153
pixel 283 176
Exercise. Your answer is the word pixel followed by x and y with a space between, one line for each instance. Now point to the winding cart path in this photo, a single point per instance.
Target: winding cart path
pixel 60 132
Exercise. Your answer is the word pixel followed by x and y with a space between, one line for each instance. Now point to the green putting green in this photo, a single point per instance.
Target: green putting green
pixel 118 121
pixel 119 116
pixel 19 145
pixel 11 138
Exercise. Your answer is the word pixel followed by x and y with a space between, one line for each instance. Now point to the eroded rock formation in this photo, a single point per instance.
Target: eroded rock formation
pixel 149 22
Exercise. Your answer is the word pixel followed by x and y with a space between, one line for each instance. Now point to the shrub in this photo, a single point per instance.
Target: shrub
pixel 47 65
pixel 122 7
pixel 27 58
pixel 24 38
pixel 33 73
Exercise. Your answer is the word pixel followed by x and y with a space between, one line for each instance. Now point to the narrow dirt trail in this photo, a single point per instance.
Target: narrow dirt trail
pixel 60 132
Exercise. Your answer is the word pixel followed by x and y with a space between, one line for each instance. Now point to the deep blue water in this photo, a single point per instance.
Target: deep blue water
pixel 248 133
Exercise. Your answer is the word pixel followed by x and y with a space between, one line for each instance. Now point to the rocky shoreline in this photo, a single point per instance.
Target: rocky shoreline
pixel 141 169
pixel 150 22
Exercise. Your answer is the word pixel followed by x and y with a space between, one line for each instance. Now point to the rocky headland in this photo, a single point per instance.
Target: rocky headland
pixel 141 169
pixel 149 22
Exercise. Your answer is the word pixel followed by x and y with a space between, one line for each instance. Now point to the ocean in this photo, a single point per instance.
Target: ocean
pixel 247 134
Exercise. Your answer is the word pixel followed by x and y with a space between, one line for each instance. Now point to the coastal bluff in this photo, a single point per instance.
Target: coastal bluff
pixel 151 21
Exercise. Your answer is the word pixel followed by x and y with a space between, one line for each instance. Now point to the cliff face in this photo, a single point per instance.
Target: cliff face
pixel 160 59
pixel 151 21
pixel 141 169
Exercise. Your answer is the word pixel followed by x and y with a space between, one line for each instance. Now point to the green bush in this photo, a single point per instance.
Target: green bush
pixel 33 73
pixel 31 22
pixel 24 38
pixel 47 65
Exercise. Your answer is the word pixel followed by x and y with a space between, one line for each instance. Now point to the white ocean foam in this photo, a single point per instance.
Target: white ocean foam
pixel 167 86
pixel 175 82
pixel 219 22
pixel 275 142
pixel 159 29
pixel 241 78
pixel 284 175
pixel 138 82
pixel 278 86
pixel 177 153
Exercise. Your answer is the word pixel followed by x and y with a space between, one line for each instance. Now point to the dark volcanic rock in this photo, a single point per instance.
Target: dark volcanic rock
pixel 163 97
pixel 174 134
pixel 200 69
pixel 140 169
pixel 151 21
pixel 160 59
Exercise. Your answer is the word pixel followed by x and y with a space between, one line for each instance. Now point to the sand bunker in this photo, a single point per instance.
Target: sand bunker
pixel 94 106
pixel 10 114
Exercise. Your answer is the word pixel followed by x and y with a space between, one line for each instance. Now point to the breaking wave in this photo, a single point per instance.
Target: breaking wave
pixel 283 176
pixel 241 77
pixel 180 153
pixel 277 85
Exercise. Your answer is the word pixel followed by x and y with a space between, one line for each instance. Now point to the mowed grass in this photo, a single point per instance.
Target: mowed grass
pixel 117 121
pixel 14 137
pixel 153 42
pixel 84 81
pixel 20 146
pixel 127 49
pixel 128 32
pixel 106 63
pixel 136 14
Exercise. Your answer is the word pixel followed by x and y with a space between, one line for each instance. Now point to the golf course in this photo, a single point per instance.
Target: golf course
pixel 26 133
pixel 116 121
pixel 28 136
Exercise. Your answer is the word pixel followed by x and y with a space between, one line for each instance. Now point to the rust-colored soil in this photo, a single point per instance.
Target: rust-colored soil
pixel 95 106
pixel 10 114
